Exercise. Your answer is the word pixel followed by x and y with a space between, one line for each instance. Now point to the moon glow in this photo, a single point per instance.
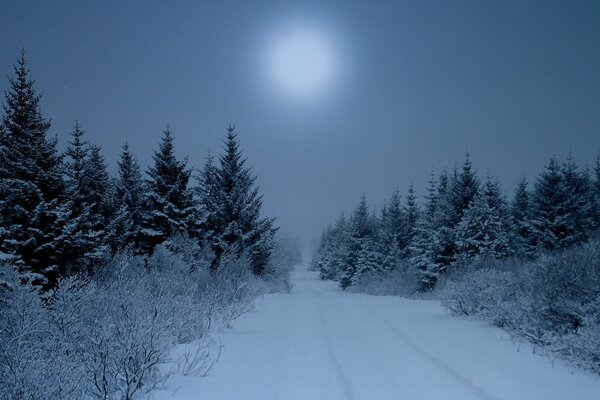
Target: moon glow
pixel 301 62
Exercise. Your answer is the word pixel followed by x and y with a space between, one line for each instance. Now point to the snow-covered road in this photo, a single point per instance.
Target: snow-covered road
pixel 321 343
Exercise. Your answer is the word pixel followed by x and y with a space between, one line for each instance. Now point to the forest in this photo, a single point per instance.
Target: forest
pixel 102 276
pixel 530 265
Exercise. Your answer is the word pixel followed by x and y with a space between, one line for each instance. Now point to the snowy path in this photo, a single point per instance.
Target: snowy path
pixel 321 343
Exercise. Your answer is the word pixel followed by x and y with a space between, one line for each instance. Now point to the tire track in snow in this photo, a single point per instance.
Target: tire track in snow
pixel 452 372
pixel 343 381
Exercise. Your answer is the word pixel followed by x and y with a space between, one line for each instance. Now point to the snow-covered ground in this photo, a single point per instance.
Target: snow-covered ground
pixel 321 343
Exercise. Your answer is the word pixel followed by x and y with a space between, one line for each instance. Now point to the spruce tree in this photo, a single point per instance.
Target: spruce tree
pixel 333 250
pixel 578 206
pixel 434 248
pixel 423 247
pixel 76 230
pixel 98 206
pixel 168 208
pixel 31 183
pixel 125 227
pixel 495 198
pixel 548 215
pixel 208 194
pixel 392 221
pixel 562 209
pixel 481 231
pixel 411 217
pixel 363 254
pixel 76 155
pixel 443 227
pixel 240 226
pixel 521 231
pixel 465 187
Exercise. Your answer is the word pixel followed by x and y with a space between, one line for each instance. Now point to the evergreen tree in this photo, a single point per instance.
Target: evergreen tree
pixel 168 208
pixel 522 235
pixel 411 217
pixel 208 193
pixel 578 206
pixel 238 220
pixel 98 211
pixel 125 227
pixel 423 247
pixel 31 182
pixel 76 154
pixel 333 250
pixel 481 231
pixel 443 228
pixel 26 153
pixel 465 187
pixel 362 257
pixel 547 207
pixel 434 247
pixel 561 210
pixel 495 198
pixel 392 225
pixel 75 232
pixel 97 188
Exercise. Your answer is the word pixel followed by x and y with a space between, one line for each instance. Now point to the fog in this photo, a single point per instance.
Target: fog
pixel 415 86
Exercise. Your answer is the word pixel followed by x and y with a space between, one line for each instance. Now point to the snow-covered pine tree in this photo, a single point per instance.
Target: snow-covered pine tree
pixel 411 217
pixel 481 231
pixel 239 223
pixel 522 237
pixel 208 194
pixel 392 226
pixel 333 250
pixel 362 257
pixel 75 232
pixel 578 205
pixel 320 260
pixel 169 207
pixel 124 229
pixel 464 188
pixel 31 183
pixel 422 247
pixel 495 197
pixel 433 247
pixel 98 203
pixel 560 207
pixel 76 155
pixel 443 239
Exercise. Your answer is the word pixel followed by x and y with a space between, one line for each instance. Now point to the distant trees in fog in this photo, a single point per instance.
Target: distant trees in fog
pixel 461 218
pixel 530 265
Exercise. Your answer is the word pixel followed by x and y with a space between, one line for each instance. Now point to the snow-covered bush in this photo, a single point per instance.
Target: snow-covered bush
pixel 285 255
pixel 486 292
pixel 401 281
pixel 553 301
pixel 30 356
pixel 229 292
pixel 105 336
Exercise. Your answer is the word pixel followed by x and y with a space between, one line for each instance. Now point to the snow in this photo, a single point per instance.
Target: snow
pixel 321 343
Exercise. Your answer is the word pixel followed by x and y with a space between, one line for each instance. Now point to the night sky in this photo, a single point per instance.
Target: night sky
pixel 411 86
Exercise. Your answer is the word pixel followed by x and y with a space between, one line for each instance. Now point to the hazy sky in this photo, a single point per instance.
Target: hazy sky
pixel 410 86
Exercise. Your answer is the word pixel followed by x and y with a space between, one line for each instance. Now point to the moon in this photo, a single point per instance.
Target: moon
pixel 301 62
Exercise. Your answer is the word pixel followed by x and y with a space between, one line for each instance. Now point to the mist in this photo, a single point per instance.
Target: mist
pixel 417 85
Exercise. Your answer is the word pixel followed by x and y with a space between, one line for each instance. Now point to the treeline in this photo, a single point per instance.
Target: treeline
pixel 60 214
pixel 101 276
pixel 463 217
pixel 530 265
